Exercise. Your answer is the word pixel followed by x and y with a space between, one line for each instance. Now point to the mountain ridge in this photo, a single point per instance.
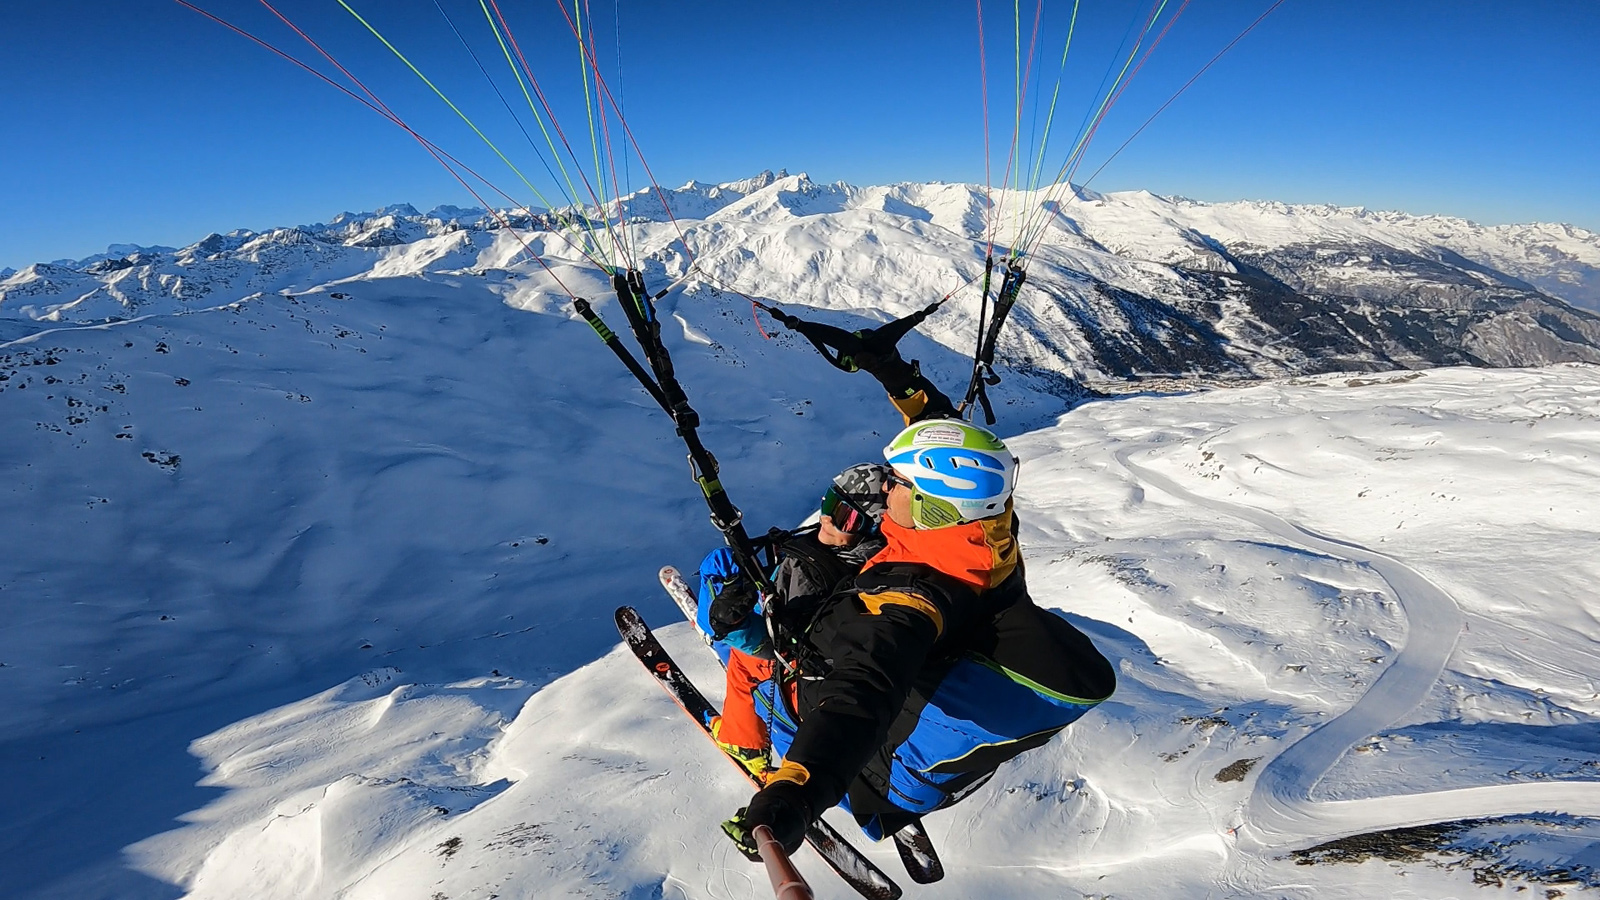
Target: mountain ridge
pixel 1125 285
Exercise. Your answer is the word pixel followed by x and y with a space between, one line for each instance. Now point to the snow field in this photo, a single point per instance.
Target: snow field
pixel 1232 646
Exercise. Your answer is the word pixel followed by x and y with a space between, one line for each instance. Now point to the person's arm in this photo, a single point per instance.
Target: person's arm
pixel 876 658
pixel 910 391
pixel 878 645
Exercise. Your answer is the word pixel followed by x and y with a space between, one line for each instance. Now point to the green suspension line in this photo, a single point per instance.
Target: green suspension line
pixel 572 190
pixel 1016 130
pixel 1074 158
pixel 1049 119
pixel 594 138
pixel 470 124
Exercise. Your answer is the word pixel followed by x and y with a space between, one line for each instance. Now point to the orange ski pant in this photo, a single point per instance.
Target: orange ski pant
pixel 742 725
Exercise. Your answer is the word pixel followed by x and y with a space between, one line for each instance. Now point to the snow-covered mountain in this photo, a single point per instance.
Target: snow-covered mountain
pixel 312 548
pixel 1121 285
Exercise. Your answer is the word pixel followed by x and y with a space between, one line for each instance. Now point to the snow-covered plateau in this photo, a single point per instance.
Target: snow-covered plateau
pixel 313 539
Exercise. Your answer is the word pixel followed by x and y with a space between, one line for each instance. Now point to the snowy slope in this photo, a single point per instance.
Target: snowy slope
pixel 1260 563
pixel 309 594
pixel 1561 260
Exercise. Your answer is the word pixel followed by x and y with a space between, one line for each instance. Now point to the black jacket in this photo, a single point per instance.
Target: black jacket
pixel 870 665
pixel 868 673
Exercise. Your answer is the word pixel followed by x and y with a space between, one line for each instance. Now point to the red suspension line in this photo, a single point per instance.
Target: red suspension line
pixel 1111 99
pixel 1180 91
pixel 1135 73
pixel 1075 159
pixel 1027 74
pixel 1022 89
pixel 622 120
pixel 527 70
pixel 433 150
pixel 393 116
pixel 427 144
pixel 605 130
pixel 1089 130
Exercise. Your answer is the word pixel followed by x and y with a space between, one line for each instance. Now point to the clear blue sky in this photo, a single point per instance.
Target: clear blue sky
pixel 139 121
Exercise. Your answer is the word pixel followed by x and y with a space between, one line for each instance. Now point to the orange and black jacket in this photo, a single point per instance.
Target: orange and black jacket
pixel 927 597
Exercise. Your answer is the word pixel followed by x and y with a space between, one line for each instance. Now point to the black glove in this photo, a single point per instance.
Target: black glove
pixel 734 600
pixel 780 806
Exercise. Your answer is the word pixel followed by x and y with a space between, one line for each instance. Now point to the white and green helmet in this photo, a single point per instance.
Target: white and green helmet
pixel 959 472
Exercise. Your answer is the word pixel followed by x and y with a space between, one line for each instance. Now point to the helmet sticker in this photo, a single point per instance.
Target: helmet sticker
pixel 953 472
pixel 938 435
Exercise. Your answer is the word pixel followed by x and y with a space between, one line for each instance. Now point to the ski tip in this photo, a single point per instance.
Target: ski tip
pixel 669 576
pixel 630 623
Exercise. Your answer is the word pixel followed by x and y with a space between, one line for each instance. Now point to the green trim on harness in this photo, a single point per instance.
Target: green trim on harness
pixel 1052 731
pixel 1032 685
pixel 601 329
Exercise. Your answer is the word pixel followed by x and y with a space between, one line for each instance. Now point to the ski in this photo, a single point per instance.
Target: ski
pixel 917 853
pixel 856 870
pixel 678 589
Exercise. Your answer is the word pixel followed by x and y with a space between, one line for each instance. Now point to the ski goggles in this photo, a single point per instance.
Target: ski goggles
pixel 845 516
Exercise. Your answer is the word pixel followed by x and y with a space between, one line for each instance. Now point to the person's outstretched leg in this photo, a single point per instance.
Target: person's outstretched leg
pixel 740 730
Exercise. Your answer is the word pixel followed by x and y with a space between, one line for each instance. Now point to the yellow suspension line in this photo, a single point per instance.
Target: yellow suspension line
pixel 594 138
pixel 470 124
pixel 572 191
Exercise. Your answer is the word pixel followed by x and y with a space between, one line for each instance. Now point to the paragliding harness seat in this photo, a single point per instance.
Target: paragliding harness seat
pixel 1015 681
pixel 983 702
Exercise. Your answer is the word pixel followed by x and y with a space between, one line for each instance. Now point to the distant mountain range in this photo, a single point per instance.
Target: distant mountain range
pixel 1122 286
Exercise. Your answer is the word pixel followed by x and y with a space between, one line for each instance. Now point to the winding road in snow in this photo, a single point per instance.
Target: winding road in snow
pixel 1280 813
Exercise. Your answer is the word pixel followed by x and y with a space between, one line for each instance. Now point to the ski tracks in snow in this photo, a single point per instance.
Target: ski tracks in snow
pixel 1280 813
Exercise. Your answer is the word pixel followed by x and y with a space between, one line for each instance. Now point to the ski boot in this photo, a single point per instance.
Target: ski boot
pixel 756 761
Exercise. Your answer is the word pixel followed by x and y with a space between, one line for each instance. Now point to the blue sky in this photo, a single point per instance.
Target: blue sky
pixel 139 121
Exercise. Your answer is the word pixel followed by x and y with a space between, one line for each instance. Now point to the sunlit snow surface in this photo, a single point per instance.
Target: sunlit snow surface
pixel 349 562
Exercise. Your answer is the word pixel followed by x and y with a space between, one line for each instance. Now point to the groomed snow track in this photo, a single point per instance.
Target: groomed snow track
pixel 1280 813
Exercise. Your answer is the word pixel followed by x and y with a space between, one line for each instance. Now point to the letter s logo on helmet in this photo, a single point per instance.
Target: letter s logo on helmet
pixel 962 473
